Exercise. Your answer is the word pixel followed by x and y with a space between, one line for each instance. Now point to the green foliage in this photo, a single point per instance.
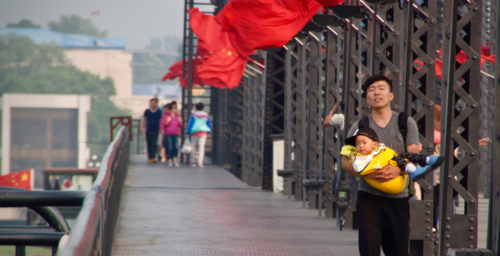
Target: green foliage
pixel 75 24
pixel 42 69
pixel 148 69
pixel 23 24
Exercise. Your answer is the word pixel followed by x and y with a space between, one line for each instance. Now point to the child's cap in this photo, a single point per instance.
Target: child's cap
pixel 365 131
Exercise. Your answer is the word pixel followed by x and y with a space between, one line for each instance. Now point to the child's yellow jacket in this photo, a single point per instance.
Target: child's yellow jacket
pixel 366 164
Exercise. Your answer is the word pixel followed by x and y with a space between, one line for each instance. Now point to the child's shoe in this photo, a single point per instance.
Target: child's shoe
pixel 176 164
pixel 420 172
pixel 434 162
pixel 169 164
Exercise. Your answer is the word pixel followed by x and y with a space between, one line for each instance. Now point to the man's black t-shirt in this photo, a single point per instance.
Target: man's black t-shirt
pixel 152 120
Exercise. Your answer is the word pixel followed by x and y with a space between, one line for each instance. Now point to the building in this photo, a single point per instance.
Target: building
pixel 105 57
pixel 44 130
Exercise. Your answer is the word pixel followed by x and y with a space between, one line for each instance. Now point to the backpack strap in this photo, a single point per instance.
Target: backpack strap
pixel 403 125
pixel 364 122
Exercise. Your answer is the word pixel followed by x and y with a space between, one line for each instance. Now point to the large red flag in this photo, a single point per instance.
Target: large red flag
pixel 21 179
pixel 221 65
pixel 262 24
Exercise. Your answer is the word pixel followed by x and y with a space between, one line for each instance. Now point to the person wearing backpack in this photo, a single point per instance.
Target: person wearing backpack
pixel 384 219
pixel 198 128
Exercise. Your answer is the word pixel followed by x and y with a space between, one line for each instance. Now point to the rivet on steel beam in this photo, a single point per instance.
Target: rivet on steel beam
pixel 475 9
pixel 427 236
pixel 448 218
pixel 430 105
pixel 431 22
pixel 395 72
pixel 447 227
pixel 448 34
pixel 471 220
pixel 471 246
pixel 352 58
pixel 447 245
pixel 471 237
pixel 475 57
pixel 447 236
pixel 428 212
pixel 377 51
pixel 428 228
pixel 431 63
pixel 428 204
pixel 396 34
pixel 471 229
pixel 449 176
pixel 427 220
pixel 429 147
pixel 474 105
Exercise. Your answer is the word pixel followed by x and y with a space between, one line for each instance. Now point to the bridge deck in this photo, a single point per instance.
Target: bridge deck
pixel 192 211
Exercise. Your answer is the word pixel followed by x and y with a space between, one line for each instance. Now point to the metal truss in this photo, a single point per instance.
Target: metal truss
pixel 313 181
pixel 289 173
pixel 332 136
pixel 274 107
pixel 235 128
pixel 419 92
pixel 460 121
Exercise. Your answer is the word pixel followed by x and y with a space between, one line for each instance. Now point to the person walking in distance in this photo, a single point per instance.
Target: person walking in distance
pixel 170 129
pixel 150 126
pixel 384 219
pixel 198 128
pixel 164 149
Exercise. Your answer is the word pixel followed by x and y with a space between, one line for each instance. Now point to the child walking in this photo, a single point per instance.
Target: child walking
pixel 170 129
pixel 198 128
pixel 366 156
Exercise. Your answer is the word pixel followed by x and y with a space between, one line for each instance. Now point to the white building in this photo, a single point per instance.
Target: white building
pixel 44 130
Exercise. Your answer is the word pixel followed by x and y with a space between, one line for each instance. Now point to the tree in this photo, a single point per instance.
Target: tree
pixel 75 24
pixel 43 69
pixel 148 69
pixel 23 24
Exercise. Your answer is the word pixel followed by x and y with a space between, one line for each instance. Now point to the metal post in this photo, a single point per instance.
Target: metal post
pixel 493 241
pixel 461 107
pixel 332 137
pixel 190 69
pixel 288 122
pixel 301 120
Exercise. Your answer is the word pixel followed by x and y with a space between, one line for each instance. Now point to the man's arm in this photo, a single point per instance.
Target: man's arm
pixel 326 122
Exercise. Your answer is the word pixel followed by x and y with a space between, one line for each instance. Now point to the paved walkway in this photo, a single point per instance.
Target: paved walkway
pixel 192 211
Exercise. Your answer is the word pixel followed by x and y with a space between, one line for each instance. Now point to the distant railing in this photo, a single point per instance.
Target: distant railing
pixel 94 230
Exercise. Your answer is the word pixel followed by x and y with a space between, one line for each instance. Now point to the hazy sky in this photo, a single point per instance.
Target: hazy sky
pixel 137 21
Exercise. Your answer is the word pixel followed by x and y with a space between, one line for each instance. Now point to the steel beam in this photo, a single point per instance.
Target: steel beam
pixel 460 122
pixel 332 136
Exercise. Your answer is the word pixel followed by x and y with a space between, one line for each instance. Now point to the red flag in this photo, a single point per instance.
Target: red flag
pixel 21 179
pixel 221 65
pixel 223 69
pixel 176 72
pixel 262 24
pixel 96 13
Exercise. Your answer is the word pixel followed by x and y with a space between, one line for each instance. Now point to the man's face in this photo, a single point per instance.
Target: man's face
pixel 365 145
pixel 379 95
pixel 153 104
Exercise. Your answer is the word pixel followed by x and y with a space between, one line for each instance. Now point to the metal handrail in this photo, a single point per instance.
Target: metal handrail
pixel 94 230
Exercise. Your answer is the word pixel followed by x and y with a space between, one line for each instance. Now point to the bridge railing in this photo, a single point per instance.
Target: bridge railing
pixel 94 229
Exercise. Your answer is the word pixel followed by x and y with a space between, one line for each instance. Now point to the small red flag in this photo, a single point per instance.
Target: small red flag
pixel 96 13
pixel 21 179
